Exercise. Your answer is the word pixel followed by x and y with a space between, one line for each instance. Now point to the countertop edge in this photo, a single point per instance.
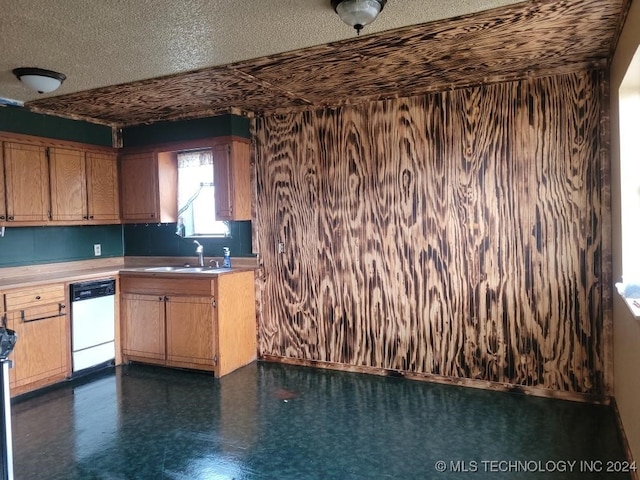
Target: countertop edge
pixel 70 276
pixel 144 272
pixel 66 277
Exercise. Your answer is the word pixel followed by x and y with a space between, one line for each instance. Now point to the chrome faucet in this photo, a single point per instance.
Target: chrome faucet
pixel 200 252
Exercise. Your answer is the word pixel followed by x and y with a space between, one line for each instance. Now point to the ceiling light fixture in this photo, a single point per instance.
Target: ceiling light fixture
pixel 38 79
pixel 358 13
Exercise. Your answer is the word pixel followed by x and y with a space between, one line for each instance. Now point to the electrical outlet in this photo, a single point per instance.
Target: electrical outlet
pixel 280 247
pixel 97 249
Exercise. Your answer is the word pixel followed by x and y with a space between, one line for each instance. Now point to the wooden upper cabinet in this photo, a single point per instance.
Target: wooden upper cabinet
pixel 26 182
pixel 3 204
pixel 103 202
pixel 84 186
pixel 138 186
pixel 68 184
pixel 232 179
pixel 46 182
pixel 148 187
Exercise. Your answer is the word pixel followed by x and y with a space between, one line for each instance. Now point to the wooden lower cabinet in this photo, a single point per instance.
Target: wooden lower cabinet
pixel 42 354
pixel 142 321
pixel 186 322
pixel 191 337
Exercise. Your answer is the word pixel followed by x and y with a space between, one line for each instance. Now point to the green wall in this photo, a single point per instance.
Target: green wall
pixel 183 130
pixel 33 245
pixel 161 240
pixel 20 120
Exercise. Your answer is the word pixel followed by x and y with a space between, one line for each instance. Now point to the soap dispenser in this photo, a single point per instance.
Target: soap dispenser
pixel 226 261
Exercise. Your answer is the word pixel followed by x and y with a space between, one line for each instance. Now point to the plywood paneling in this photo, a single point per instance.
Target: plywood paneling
pixel 455 234
pixel 533 38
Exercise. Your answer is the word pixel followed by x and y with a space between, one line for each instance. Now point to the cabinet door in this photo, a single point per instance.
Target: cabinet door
pixel 102 186
pixel 139 186
pixel 232 179
pixel 27 182
pixel 142 327
pixel 42 349
pixel 68 180
pixel 190 331
pixel 223 181
pixel 3 205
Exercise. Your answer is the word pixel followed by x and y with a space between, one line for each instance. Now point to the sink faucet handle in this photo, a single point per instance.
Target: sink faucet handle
pixel 216 262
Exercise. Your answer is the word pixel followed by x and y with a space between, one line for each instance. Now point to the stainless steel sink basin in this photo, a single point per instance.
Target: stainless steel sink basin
pixel 163 269
pixel 172 269
pixel 199 270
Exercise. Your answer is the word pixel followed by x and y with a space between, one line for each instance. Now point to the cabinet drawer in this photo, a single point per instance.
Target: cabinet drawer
pixel 157 285
pixel 33 297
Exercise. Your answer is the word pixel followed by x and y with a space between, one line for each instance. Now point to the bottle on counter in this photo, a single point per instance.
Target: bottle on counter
pixel 226 261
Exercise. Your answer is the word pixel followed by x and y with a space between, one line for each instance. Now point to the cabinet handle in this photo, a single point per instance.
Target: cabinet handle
pixel 160 299
pixel 24 319
pixel 10 217
pixel 1 217
pixel 166 299
pixel 152 215
pixel 38 297
pixel 91 217
pixel 86 217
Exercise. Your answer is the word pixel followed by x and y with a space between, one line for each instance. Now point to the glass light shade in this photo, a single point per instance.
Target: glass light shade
pixel 42 81
pixel 359 13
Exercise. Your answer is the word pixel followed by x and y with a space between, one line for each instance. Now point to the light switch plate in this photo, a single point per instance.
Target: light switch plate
pixel 97 249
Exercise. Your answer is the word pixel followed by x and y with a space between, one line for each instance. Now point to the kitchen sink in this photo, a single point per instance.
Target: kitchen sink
pixel 201 270
pixel 163 269
pixel 211 270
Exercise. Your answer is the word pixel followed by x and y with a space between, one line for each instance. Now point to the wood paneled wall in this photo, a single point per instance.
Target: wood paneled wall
pixel 455 234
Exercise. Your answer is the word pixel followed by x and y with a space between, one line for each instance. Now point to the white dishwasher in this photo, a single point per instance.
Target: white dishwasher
pixel 92 323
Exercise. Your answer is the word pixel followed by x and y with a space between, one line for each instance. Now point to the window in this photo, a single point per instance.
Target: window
pixel 196 196
pixel 629 95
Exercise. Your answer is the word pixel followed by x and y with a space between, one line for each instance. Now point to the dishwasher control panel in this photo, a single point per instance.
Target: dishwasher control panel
pixel 94 289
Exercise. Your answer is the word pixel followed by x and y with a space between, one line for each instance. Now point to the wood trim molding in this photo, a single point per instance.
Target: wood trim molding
pixel 606 232
pixel 461 382
pixel 186 144
pixel 623 438
pixel 53 142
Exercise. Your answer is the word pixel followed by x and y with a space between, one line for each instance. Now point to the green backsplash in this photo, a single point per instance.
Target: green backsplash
pixel 183 130
pixel 161 241
pixel 33 245
pixel 20 120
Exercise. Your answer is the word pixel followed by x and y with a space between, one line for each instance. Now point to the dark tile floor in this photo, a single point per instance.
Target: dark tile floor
pixel 269 421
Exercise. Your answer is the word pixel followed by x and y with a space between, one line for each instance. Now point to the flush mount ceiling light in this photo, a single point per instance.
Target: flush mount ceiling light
pixel 40 80
pixel 358 13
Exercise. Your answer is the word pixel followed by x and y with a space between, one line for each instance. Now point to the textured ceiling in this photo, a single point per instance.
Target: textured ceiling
pixel 239 67
pixel 106 42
